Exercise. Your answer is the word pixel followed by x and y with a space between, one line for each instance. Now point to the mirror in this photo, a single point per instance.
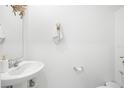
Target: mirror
pixel 12 26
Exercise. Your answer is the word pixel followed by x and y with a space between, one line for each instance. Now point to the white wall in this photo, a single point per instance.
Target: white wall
pixel 119 45
pixel 88 42
pixel 12 25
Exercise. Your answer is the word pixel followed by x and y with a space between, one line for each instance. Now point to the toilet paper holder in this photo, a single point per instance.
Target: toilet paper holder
pixel 78 68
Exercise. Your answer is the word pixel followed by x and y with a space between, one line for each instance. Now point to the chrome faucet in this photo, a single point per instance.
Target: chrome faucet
pixel 14 62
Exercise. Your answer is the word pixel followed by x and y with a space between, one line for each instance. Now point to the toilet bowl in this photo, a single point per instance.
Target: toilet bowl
pixel 110 85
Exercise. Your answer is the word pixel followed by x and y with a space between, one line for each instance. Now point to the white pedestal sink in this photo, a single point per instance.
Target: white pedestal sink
pixel 26 70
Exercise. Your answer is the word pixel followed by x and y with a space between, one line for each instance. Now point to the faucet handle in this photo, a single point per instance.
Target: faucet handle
pixel 16 64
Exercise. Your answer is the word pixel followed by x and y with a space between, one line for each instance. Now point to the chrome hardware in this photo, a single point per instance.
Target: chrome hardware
pixel 14 62
pixel 59 34
pixel 78 69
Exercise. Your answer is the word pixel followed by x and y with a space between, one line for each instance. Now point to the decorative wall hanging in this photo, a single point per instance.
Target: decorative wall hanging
pixel 19 9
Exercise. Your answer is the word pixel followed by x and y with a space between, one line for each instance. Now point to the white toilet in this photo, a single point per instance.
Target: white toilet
pixel 110 85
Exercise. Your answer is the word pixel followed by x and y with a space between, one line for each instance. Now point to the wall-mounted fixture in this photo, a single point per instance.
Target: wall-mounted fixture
pixel 58 35
pixel 78 68
pixel 122 59
pixel 19 9
pixel 2 35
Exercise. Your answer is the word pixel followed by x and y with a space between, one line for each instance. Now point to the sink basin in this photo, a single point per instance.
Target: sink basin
pixel 26 70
